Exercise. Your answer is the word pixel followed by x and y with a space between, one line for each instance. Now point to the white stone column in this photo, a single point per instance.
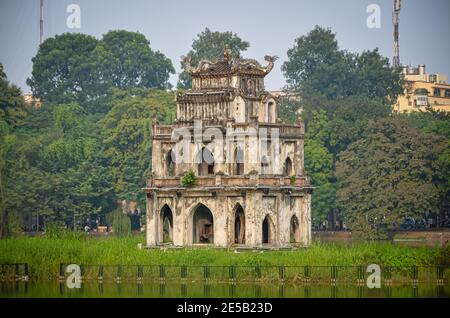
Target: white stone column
pixel 151 233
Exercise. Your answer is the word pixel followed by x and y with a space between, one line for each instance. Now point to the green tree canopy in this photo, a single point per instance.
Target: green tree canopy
pixel 12 115
pixel 75 67
pixel 125 133
pixel 319 163
pixel 386 175
pixel 12 105
pixel 134 63
pixel 316 65
pixel 70 68
pixel 56 171
pixel 210 45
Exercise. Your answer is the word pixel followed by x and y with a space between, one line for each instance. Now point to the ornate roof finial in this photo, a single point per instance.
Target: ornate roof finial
pixel 226 53
pixel 271 60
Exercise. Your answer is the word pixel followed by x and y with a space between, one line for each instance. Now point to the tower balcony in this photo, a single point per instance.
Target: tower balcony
pixel 243 181
pixel 285 130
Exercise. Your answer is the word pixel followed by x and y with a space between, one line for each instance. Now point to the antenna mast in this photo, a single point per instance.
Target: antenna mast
pixel 395 21
pixel 41 22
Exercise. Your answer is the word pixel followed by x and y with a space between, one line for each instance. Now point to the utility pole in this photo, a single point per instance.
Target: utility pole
pixel 395 21
pixel 41 21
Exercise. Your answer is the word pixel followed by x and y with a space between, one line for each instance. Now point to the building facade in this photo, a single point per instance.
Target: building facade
pixel 250 187
pixel 423 90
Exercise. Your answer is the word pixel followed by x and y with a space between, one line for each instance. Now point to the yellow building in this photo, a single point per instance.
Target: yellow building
pixel 32 101
pixel 423 90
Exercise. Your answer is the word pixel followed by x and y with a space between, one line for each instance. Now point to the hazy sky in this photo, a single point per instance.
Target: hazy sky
pixel 269 25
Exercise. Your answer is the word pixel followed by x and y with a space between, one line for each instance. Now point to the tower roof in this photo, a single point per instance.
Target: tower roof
pixel 229 65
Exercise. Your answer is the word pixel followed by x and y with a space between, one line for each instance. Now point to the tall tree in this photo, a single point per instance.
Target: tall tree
pixel 134 63
pixel 316 65
pixel 75 67
pixel 56 173
pixel 437 123
pixel 12 105
pixel 125 133
pixel 12 114
pixel 70 68
pixel 319 163
pixel 210 45
pixel 387 175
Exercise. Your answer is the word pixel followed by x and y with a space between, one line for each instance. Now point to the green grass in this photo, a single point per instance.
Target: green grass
pixel 44 254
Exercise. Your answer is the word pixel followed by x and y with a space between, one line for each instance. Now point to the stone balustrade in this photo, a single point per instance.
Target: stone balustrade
pixel 230 181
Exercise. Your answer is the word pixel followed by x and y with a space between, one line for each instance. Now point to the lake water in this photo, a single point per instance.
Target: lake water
pixel 219 290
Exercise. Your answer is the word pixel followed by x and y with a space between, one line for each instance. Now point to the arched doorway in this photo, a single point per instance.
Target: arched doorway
pixel 166 225
pixel 287 167
pixel 294 230
pixel 239 161
pixel 267 231
pixel 170 163
pixel 205 160
pixel 202 225
pixel 239 225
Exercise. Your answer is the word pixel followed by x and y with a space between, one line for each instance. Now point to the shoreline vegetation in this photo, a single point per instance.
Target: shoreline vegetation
pixel 45 254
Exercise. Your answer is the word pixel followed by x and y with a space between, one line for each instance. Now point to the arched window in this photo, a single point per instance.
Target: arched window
pixel 288 167
pixel 267 230
pixel 202 225
pixel 294 230
pixel 205 160
pixel 239 161
pixel 166 225
pixel 170 163
pixel 239 225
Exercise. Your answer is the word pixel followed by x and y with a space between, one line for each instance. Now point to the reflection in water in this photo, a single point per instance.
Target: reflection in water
pixel 221 290
pixel 206 290
pixel 415 291
pixel 307 291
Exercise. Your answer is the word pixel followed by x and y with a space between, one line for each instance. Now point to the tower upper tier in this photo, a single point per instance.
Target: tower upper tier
pixel 229 88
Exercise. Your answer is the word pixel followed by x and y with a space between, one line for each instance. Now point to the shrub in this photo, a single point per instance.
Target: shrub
pixel 189 179
pixel 120 222
pixel 292 179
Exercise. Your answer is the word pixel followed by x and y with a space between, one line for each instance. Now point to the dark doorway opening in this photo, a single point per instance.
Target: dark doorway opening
pixel 203 225
pixel 170 163
pixel 295 230
pixel 288 167
pixel 166 225
pixel 239 226
pixel 205 160
pixel 266 231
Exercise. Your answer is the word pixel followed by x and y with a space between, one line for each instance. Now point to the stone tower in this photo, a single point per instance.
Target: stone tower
pixel 250 187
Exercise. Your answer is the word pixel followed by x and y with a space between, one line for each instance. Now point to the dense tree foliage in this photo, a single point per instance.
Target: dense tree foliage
pixel 75 67
pixel 134 63
pixel 12 114
pixel 125 133
pixel 370 166
pixel 55 172
pixel 387 175
pixel 210 45
pixel 319 163
pixel 62 166
pixel 12 105
pixel 316 65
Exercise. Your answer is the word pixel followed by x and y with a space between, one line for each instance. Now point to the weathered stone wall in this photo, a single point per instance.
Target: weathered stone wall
pixel 276 205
